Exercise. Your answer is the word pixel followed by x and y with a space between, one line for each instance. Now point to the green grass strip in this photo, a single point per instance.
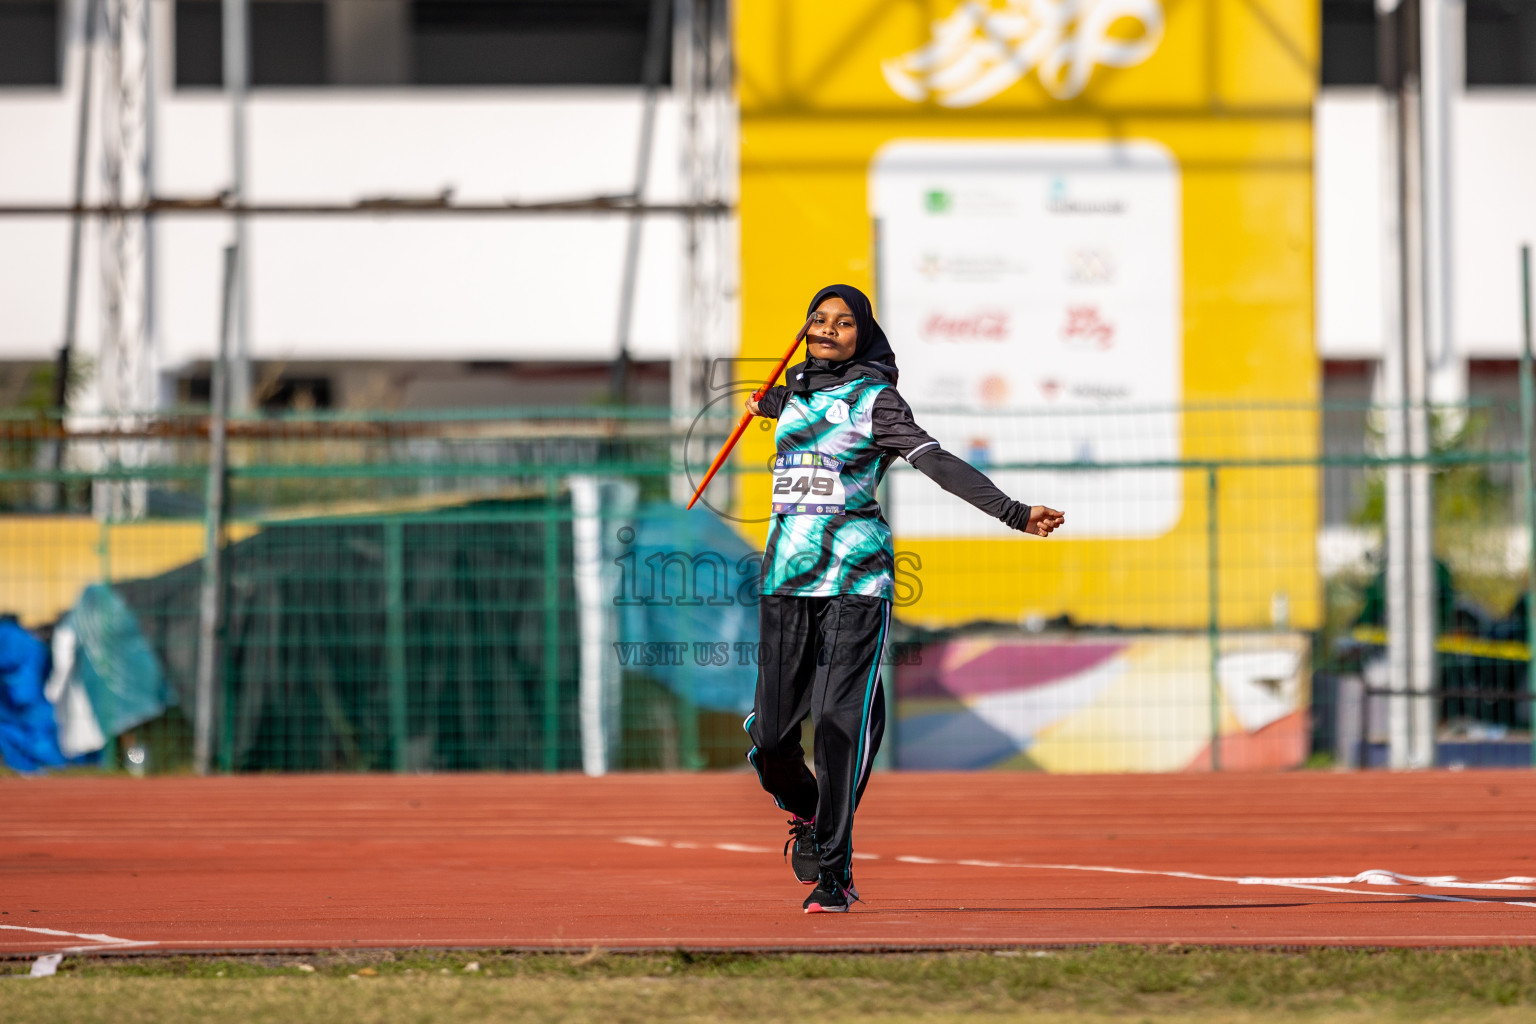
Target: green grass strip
pixel 1099 984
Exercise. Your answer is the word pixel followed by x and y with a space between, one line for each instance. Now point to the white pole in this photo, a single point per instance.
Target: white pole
pixel 1392 392
pixel 1444 24
pixel 236 80
pixel 1444 378
pixel 1420 590
pixel 1421 580
pixel 587 565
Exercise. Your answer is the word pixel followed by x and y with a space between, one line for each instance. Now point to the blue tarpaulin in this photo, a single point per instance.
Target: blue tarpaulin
pixel 29 738
pixel 688 603
pixel 110 681
pixel 119 669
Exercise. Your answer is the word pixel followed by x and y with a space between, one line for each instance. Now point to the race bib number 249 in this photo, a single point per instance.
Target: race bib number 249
pixel 807 483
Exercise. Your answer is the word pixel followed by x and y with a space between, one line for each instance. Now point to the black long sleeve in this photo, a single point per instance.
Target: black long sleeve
pixel 897 431
pixel 772 402
pixel 964 480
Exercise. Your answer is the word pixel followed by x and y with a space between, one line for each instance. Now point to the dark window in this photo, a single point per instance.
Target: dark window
pixel 1346 433
pixel 287 42
pixel 298 393
pixel 199 43
pixel 1501 42
pixel 532 42
pixel 29 42
pixel 1349 42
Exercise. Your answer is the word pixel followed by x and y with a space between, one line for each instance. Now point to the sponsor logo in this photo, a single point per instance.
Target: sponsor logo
pixel 837 412
pixel 785 460
pixel 985 46
pixel 1090 266
pixel 967 267
pixel 1093 391
pixel 994 390
pixel 1099 392
pixel 983 325
pixel 1057 200
pixel 1085 327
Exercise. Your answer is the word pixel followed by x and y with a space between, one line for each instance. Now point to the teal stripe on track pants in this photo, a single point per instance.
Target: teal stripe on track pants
pixel 820 657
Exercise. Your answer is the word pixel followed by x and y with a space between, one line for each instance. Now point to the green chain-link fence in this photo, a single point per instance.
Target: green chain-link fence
pixel 520 591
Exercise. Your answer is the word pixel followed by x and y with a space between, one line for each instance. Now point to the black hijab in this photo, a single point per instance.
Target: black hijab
pixel 872 357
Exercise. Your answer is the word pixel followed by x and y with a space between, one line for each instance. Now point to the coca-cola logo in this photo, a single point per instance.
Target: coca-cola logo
pixel 985 325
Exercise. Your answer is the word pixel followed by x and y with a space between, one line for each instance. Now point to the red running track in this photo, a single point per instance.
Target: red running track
pixel 664 861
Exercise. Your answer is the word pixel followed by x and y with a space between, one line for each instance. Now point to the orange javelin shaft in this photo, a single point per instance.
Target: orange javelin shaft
pixel 746 417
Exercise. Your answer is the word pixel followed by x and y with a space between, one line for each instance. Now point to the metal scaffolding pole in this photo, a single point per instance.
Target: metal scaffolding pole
pixel 127 376
pixel 90 14
pixel 702 85
pixel 655 43
pixel 52 495
pixel 685 59
pixel 210 598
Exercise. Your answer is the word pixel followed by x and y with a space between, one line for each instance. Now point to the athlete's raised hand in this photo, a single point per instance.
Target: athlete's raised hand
pixel 1043 520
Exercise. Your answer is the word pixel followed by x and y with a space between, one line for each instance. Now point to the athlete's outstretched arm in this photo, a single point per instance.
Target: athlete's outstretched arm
pixel 963 480
pixel 897 431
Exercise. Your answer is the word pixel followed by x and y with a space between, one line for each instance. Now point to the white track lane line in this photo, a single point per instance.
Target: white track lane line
pixel 1378 876
pixel 660 844
pixel 1373 876
pixel 102 941
pixel 1242 880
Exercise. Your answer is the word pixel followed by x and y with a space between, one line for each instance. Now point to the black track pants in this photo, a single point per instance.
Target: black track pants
pixel 820 656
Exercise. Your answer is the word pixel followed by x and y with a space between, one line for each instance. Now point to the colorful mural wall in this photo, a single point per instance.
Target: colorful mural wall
pixel 1133 704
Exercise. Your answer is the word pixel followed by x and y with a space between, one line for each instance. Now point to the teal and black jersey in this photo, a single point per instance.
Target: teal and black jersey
pixel 832 447
pixel 827 535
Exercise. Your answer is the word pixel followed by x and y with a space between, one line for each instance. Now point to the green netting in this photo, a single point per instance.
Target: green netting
pixel 401 592
pixel 398 642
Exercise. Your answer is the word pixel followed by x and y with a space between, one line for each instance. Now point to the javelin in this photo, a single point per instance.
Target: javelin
pixel 746 417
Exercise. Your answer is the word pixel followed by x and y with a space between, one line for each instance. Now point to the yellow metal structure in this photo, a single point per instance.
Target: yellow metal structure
pixel 1224 86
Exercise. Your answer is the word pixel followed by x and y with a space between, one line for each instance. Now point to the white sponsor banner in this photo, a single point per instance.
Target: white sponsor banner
pixel 1040 277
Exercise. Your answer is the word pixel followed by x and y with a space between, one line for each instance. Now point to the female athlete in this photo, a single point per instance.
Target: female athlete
pixel 828 578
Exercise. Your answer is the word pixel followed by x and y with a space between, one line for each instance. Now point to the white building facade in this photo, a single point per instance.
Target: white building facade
pixel 453 303
pixel 508 100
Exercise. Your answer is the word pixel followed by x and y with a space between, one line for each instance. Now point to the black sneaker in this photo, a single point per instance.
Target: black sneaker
pixel 803 852
pixel 830 896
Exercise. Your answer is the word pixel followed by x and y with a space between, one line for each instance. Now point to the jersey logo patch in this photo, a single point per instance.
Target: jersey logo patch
pixel 837 412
